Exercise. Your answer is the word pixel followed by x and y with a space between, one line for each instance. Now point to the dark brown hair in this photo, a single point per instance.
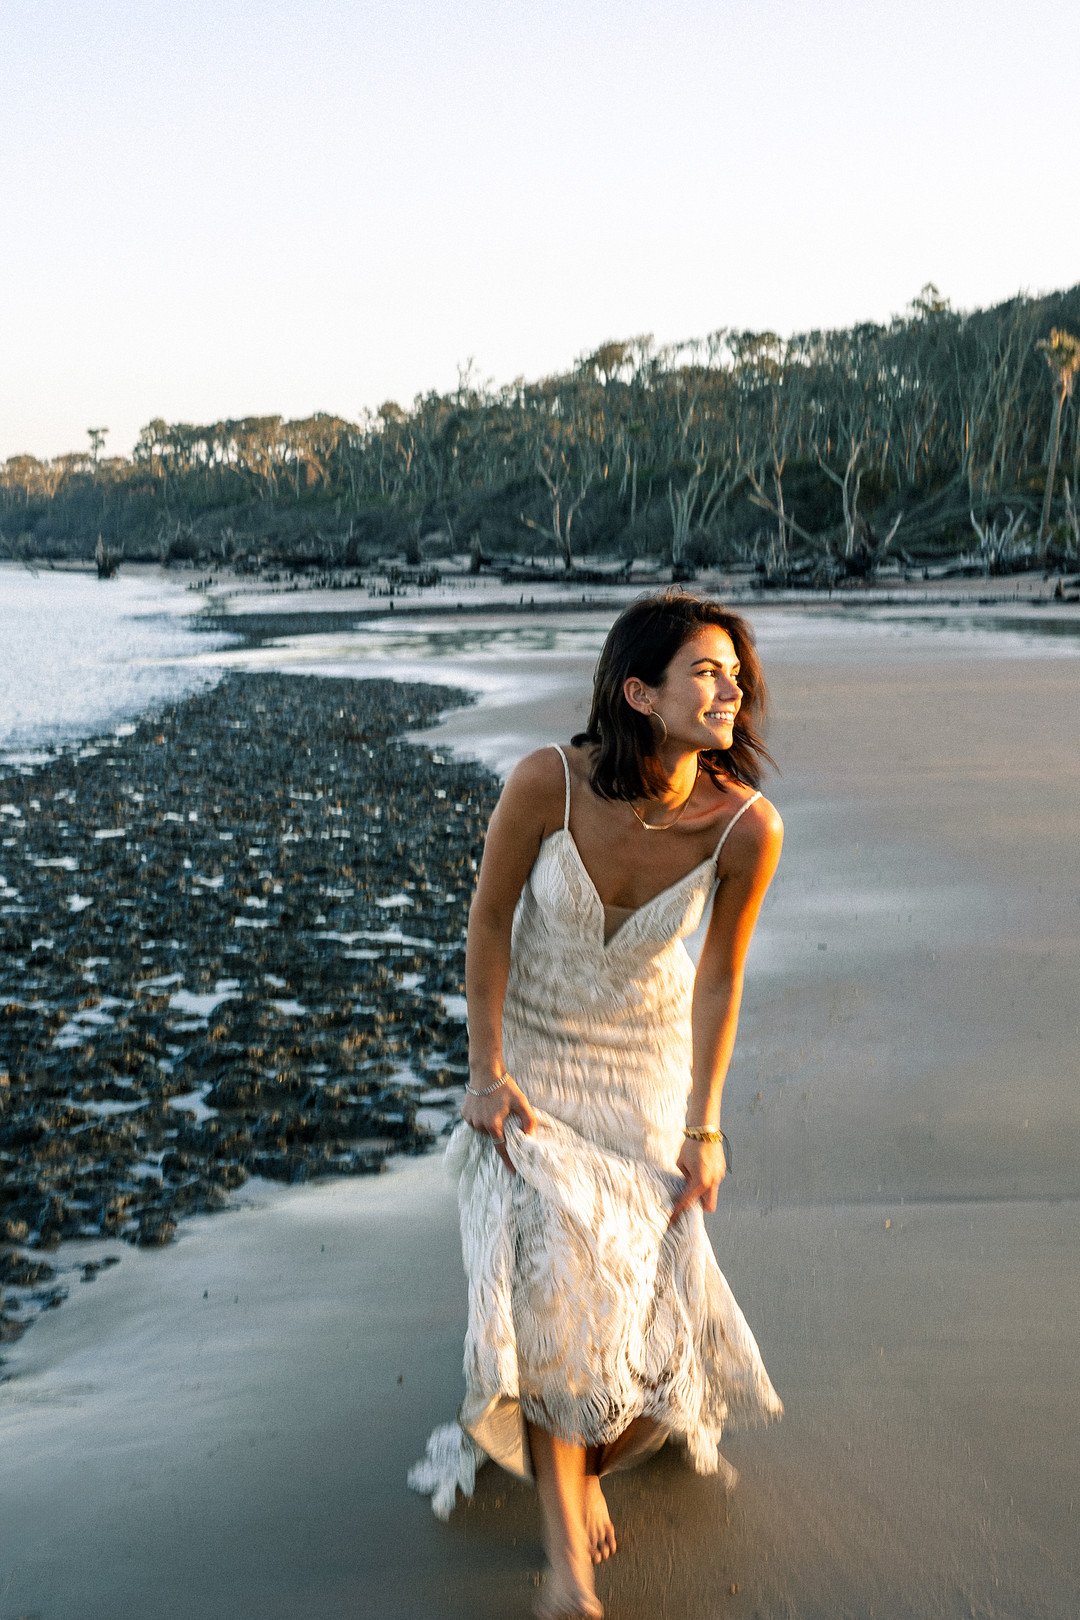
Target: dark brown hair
pixel 642 642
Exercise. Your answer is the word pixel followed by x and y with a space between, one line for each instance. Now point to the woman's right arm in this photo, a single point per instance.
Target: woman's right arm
pixel 529 807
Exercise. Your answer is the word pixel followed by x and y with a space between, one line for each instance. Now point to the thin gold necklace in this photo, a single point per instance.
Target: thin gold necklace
pixel 662 826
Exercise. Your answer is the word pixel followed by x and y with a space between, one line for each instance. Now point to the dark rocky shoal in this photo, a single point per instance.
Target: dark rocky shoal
pixel 225 941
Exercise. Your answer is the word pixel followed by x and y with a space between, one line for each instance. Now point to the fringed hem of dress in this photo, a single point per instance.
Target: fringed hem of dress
pixel 587 1310
pixel 449 1465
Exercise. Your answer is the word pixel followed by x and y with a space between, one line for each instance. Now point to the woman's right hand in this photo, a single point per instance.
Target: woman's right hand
pixel 489 1114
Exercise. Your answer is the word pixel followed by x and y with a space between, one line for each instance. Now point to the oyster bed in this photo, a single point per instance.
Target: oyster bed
pixel 231 944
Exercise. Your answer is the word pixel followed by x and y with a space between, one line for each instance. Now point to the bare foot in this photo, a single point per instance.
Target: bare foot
pixel 569 1591
pixel 566 1600
pixel 599 1530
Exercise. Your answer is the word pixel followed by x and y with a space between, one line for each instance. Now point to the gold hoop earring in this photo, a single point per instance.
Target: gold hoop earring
pixel 654 716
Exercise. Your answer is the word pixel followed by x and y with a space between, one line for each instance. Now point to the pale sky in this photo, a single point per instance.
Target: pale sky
pixel 213 208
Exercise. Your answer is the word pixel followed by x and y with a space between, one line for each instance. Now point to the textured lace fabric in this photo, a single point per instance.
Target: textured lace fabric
pixel 586 1311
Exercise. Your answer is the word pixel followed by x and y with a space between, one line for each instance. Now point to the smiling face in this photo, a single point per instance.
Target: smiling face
pixel 675 656
pixel 699 695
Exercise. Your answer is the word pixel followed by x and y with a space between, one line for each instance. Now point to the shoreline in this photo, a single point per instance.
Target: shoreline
pixel 287 1004
pixel 900 1231
pixel 381 589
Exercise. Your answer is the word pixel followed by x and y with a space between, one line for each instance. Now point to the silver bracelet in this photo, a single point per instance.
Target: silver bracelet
pixel 487 1090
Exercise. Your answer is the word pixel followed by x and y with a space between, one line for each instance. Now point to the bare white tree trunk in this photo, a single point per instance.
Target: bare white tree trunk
pixel 689 502
pixel 566 491
pixel 1051 470
pixel 848 486
pixel 1072 518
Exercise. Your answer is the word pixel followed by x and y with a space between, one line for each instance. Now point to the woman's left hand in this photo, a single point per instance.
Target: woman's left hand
pixel 704 1166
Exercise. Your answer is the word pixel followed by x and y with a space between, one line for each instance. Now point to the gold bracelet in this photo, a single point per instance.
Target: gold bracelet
pixel 701 1133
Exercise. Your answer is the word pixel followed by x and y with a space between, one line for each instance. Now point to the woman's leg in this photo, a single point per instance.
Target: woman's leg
pixel 559 1468
pixel 641 1436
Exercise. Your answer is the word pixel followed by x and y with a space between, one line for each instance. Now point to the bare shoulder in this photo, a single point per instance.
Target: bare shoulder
pixel 537 786
pixel 540 771
pixel 756 841
pixel 764 820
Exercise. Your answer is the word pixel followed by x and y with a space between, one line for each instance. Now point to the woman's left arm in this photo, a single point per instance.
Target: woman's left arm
pixel 750 861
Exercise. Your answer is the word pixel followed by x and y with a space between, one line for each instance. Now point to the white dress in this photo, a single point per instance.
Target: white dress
pixel 586 1310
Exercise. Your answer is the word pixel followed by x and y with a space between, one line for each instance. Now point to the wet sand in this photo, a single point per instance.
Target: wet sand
pixel 221 1430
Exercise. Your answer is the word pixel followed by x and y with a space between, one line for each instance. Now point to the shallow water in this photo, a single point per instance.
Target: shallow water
pixel 81 656
pixel 495 654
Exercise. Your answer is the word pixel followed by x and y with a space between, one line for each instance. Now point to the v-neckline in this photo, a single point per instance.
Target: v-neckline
pixel 631 911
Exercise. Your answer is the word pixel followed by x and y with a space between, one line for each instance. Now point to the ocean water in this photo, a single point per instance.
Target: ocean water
pixel 488 653
pixel 81 656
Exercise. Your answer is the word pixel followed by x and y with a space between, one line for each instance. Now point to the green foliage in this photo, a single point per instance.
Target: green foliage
pixel 726 447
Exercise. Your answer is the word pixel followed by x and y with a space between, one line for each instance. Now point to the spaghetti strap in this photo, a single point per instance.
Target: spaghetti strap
pixel 745 806
pixel 566 772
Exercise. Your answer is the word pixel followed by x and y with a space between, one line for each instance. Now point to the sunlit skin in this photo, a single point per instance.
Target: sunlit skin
pixel 697 700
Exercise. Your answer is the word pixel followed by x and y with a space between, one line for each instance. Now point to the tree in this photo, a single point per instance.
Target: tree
pixel 938 412
pixel 104 560
pixel 691 504
pixel 24 471
pixel 567 470
pixel 1061 351
pixel 929 303
pixel 848 486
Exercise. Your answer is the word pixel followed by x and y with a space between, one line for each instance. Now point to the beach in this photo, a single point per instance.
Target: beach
pixel 223 1427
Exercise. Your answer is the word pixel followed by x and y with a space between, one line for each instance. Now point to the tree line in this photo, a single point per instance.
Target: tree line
pixel 824 453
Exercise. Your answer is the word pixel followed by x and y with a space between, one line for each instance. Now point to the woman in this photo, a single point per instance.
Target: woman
pixel 599 1322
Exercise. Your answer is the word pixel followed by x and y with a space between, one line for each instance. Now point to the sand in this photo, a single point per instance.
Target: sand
pixel 901 1230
